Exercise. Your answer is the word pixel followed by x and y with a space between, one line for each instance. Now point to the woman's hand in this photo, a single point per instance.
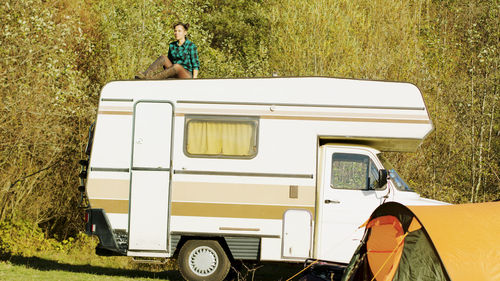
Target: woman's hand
pixel 195 73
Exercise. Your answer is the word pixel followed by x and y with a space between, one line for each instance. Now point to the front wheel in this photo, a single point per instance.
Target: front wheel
pixel 203 260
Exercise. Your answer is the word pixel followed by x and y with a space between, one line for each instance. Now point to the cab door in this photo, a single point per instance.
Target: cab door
pixel 150 177
pixel 346 199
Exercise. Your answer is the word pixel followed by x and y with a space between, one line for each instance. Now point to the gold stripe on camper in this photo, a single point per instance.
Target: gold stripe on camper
pixel 115 110
pixel 108 188
pixel 110 206
pixel 207 209
pixel 112 112
pixel 233 210
pixel 238 193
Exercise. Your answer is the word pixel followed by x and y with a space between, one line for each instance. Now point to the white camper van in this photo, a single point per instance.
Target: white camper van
pixel 270 169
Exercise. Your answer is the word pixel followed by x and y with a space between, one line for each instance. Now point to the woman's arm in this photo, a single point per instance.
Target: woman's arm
pixel 194 61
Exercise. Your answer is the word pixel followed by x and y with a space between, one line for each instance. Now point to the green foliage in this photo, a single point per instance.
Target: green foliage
pixel 459 161
pixel 45 109
pixel 360 39
pixel 241 30
pixel 25 238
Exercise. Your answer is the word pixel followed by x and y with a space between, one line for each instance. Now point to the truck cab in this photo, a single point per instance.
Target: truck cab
pixel 353 181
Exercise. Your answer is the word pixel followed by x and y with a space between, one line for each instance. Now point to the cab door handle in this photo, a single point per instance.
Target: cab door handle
pixel 328 201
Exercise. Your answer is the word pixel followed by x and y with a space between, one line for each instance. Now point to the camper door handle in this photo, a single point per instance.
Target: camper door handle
pixel 328 201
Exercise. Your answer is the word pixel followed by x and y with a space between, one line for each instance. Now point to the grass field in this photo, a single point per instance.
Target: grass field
pixel 37 268
pixel 26 254
pixel 9 271
pixel 66 269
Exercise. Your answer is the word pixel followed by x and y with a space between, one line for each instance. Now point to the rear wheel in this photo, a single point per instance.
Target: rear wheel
pixel 203 260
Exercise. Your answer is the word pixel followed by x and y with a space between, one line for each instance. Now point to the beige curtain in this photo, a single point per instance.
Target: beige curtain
pixel 226 138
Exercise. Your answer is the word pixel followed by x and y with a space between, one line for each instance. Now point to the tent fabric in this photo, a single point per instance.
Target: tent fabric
pixel 466 238
pixel 358 268
pixel 419 260
pixel 449 242
pixel 385 246
pixel 404 215
pixel 414 225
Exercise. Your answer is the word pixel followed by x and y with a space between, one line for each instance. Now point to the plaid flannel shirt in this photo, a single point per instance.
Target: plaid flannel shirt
pixel 185 55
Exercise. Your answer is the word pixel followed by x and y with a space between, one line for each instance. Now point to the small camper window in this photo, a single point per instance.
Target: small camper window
pixel 353 171
pixel 223 137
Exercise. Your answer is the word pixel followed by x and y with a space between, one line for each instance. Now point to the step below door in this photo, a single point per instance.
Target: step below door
pixel 150 177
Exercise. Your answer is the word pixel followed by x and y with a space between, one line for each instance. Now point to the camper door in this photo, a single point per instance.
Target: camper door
pixel 150 177
pixel 346 198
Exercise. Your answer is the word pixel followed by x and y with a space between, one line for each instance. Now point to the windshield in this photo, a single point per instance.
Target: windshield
pixel 395 178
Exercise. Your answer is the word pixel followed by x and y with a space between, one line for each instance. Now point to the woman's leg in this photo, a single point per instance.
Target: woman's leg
pixel 182 72
pixel 161 61
pixel 176 70
pixel 167 63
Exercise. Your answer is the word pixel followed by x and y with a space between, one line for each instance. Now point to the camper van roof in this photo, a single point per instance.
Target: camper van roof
pixel 311 91
pixel 389 116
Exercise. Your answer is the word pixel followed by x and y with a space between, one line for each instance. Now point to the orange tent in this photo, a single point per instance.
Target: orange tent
pixel 450 242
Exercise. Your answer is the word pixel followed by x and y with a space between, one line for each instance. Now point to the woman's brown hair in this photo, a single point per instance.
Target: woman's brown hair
pixel 185 25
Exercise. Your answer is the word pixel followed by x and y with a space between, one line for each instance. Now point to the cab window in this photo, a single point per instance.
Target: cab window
pixel 353 171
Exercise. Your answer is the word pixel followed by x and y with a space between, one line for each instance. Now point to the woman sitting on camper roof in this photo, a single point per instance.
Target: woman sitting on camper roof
pixel 181 62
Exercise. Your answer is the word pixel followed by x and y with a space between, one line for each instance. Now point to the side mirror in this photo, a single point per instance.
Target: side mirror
pixel 382 178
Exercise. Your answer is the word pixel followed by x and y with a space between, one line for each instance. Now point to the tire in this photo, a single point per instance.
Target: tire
pixel 203 260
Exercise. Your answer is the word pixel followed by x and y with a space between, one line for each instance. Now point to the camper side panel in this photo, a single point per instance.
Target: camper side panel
pixel 109 177
pixel 246 197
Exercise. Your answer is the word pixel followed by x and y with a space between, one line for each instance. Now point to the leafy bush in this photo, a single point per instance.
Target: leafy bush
pixel 45 111
pixel 24 238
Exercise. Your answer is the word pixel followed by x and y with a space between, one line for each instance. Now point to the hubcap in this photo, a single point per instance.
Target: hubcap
pixel 203 261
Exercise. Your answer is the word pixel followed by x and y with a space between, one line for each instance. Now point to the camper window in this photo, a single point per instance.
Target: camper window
pixel 353 171
pixel 221 136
